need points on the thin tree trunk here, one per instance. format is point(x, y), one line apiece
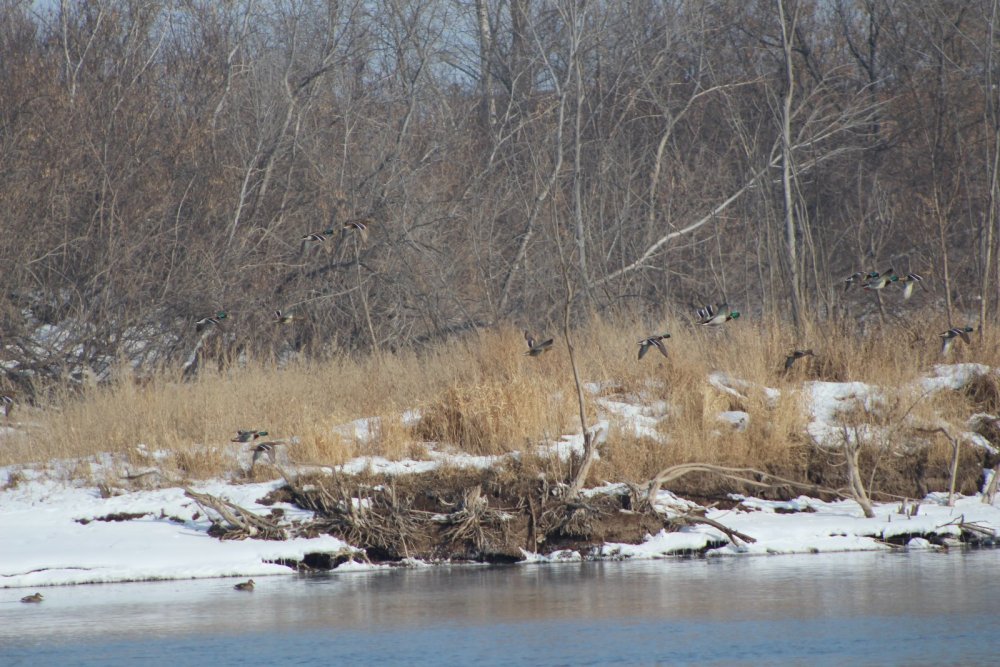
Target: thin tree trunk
point(581, 240)
point(791, 242)
point(991, 210)
point(485, 67)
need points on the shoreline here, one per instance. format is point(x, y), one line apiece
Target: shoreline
point(57, 533)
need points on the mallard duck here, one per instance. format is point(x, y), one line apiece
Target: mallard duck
point(653, 341)
point(267, 449)
point(859, 277)
point(37, 597)
point(213, 320)
point(359, 226)
point(948, 338)
point(7, 402)
point(713, 316)
point(284, 318)
point(880, 280)
point(536, 349)
point(908, 281)
point(318, 237)
point(245, 585)
point(248, 436)
point(796, 355)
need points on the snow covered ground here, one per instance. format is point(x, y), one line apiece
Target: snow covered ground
point(55, 532)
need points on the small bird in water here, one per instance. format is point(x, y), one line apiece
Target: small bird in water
point(248, 436)
point(795, 356)
point(37, 597)
point(244, 586)
point(535, 349)
point(713, 316)
point(653, 341)
point(948, 338)
point(211, 321)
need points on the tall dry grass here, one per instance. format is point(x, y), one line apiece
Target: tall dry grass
point(482, 395)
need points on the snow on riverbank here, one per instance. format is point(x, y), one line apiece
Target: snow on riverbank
point(53, 533)
point(46, 542)
point(808, 525)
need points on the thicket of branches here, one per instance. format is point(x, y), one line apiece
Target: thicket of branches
point(161, 159)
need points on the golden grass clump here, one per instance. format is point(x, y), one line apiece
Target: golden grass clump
point(503, 400)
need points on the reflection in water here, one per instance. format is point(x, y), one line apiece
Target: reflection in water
point(920, 608)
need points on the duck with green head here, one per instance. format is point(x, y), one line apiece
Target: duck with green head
point(210, 321)
point(713, 316)
point(880, 280)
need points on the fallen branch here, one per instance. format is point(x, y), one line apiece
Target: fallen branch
point(242, 523)
point(971, 527)
point(751, 476)
point(733, 535)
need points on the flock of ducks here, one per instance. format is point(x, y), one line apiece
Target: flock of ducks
point(717, 315)
point(710, 316)
point(876, 280)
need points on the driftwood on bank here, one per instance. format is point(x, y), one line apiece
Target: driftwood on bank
point(375, 518)
point(972, 528)
point(734, 536)
point(235, 522)
point(750, 476)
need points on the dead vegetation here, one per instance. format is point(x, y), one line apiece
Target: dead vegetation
point(490, 515)
point(484, 396)
point(481, 395)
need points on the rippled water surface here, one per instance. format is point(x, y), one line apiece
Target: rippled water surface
point(859, 609)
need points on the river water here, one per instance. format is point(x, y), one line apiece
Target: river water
point(920, 608)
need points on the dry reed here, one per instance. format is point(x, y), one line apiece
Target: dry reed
point(482, 395)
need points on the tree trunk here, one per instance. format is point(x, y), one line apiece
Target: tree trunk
point(787, 178)
point(485, 65)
